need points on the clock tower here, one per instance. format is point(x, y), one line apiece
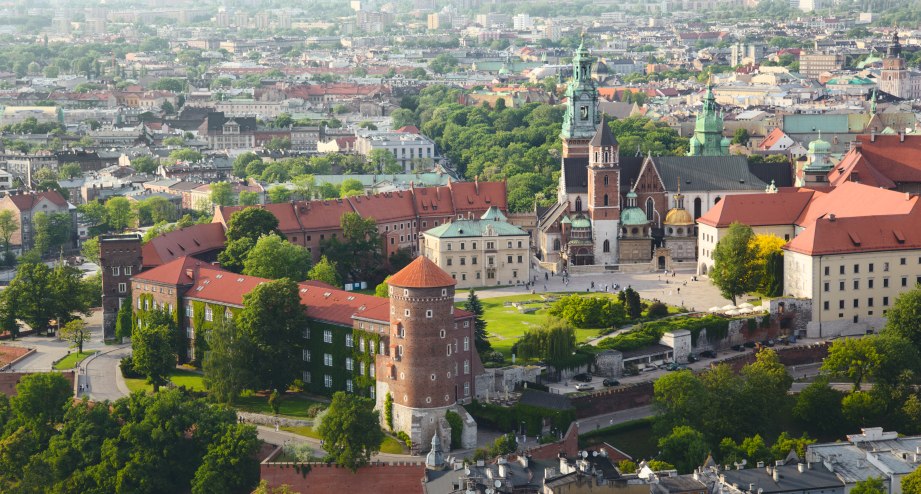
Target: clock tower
point(581, 118)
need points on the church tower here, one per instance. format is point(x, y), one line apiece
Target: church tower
point(818, 164)
point(429, 367)
point(581, 117)
point(895, 78)
point(708, 137)
point(604, 192)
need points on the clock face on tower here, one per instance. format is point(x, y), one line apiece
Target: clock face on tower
point(583, 112)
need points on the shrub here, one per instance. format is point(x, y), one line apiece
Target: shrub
point(314, 410)
point(649, 333)
point(589, 312)
point(127, 367)
point(402, 436)
point(657, 309)
point(457, 428)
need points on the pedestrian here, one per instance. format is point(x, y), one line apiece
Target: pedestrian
point(679, 289)
point(546, 276)
point(276, 426)
point(545, 287)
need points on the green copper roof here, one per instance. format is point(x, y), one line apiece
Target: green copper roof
point(819, 146)
point(581, 222)
point(493, 214)
point(475, 228)
point(566, 220)
point(633, 217)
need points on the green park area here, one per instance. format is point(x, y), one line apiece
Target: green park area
point(191, 380)
point(71, 360)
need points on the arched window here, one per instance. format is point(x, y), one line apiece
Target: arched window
point(697, 207)
point(650, 209)
point(556, 244)
point(717, 200)
point(605, 199)
point(605, 180)
point(578, 204)
point(606, 247)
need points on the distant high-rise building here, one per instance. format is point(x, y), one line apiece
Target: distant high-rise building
point(522, 22)
point(222, 18)
point(552, 31)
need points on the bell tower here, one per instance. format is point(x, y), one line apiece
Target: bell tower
point(895, 78)
point(581, 117)
point(604, 192)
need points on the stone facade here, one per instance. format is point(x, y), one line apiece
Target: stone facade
point(680, 343)
point(610, 363)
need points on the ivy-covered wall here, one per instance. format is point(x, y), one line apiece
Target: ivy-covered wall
point(367, 346)
point(200, 326)
point(142, 308)
point(337, 349)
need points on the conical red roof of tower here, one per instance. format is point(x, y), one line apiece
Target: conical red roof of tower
point(421, 273)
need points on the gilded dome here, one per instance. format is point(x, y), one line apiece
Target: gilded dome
point(678, 217)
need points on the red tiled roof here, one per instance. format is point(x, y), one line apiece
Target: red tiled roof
point(852, 199)
point(192, 240)
point(175, 272)
point(478, 196)
point(759, 209)
point(855, 167)
point(861, 234)
point(218, 285)
point(25, 202)
point(896, 157)
point(421, 273)
point(385, 206)
point(322, 215)
point(330, 304)
point(772, 138)
point(409, 129)
point(437, 201)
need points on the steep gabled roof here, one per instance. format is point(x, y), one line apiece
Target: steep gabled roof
point(708, 173)
point(859, 234)
point(852, 199)
point(192, 240)
point(603, 135)
point(175, 272)
point(25, 202)
point(782, 208)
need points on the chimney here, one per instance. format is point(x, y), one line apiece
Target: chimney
point(476, 184)
point(776, 475)
point(801, 467)
point(873, 135)
point(831, 217)
point(901, 136)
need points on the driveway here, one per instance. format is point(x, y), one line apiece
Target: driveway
point(100, 375)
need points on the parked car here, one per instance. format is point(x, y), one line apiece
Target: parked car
point(738, 348)
point(708, 354)
point(673, 366)
point(584, 377)
point(584, 387)
point(610, 382)
point(692, 357)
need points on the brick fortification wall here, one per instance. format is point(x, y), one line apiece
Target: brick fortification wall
point(403, 478)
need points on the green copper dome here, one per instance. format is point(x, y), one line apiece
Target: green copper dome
point(819, 146)
point(633, 217)
point(581, 222)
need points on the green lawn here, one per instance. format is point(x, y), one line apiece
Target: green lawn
point(506, 324)
point(180, 377)
point(302, 431)
point(292, 405)
point(71, 361)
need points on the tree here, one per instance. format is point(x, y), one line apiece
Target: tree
point(818, 408)
point(358, 253)
point(8, 226)
point(741, 137)
point(279, 194)
point(184, 154)
point(351, 430)
point(402, 117)
point(863, 409)
point(40, 398)
point(274, 257)
point(325, 271)
point(766, 271)
point(786, 443)
point(553, 342)
point(351, 187)
point(685, 448)
point(251, 223)
point(52, 231)
point(911, 483)
point(230, 466)
point(766, 386)
point(248, 198)
point(383, 289)
point(119, 214)
point(145, 164)
point(90, 249)
point(241, 162)
point(123, 321)
point(904, 318)
point(733, 258)
point(679, 398)
point(855, 358)
point(76, 333)
point(480, 337)
point(222, 194)
point(873, 485)
point(225, 362)
point(384, 161)
point(167, 108)
point(273, 320)
point(69, 171)
point(39, 294)
point(153, 353)
point(234, 254)
point(278, 143)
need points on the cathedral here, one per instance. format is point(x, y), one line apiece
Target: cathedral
point(614, 209)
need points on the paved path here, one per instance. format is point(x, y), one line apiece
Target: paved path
point(49, 349)
point(101, 377)
point(679, 290)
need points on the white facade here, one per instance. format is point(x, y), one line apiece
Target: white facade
point(410, 150)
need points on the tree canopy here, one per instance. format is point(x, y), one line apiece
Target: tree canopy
point(273, 257)
point(351, 430)
point(732, 262)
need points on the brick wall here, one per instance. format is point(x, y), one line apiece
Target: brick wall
point(9, 380)
point(399, 477)
point(569, 445)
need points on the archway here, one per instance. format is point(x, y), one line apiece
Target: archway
point(661, 262)
point(650, 209)
point(697, 207)
point(606, 246)
point(578, 204)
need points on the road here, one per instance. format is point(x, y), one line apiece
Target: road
point(608, 419)
point(101, 376)
point(49, 349)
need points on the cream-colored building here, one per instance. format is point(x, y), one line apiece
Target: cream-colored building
point(850, 252)
point(477, 253)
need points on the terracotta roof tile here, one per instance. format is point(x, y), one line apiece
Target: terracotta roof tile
point(421, 273)
point(761, 209)
point(771, 138)
point(860, 234)
point(385, 206)
point(25, 202)
point(175, 272)
point(212, 283)
point(330, 304)
point(478, 196)
point(852, 199)
point(855, 167)
point(192, 240)
point(896, 157)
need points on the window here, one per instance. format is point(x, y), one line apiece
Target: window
point(826, 286)
point(114, 270)
point(327, 380)
point(466, 343)
point(449, 262)
point(466, 367)
point(870, 283)
point(371, 370)
point(122, 288)
point(383, 349)
point(841, 286)
point(188, 309)
point(209, 315)
point(473, 260)
point(886, 301)
point(902, 261)
point(305, 354)
point(466, 389)
point(466, 324)
point(827, 270)
point(442, 333)
point(856, 303)
point(127, 270)
point(449, 245)
point(885, 282)
point(327, 360)
point(870, 267)
point(463, 261)
point(840, 269)
point(463, 245)
point(841, 304)
point(140, 304)
point(189, 333)
point(825, 305)
point(605, 199)
point(406, 312)
point(856, 284)
point(870, 302)
point(348, 385)
point(885, 266)
point(348, 341)
point(327, 336)
point(509, 259)
point(349, 364)
point(400, 350)
point(856, 268)
point(449, 349)
point(519, 257)
point(305, 376)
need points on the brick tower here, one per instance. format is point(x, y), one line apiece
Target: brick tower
point(119, 260)
point(604, 193)
point(429, 367)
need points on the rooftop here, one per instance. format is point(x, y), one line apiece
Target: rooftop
point(421, 273)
